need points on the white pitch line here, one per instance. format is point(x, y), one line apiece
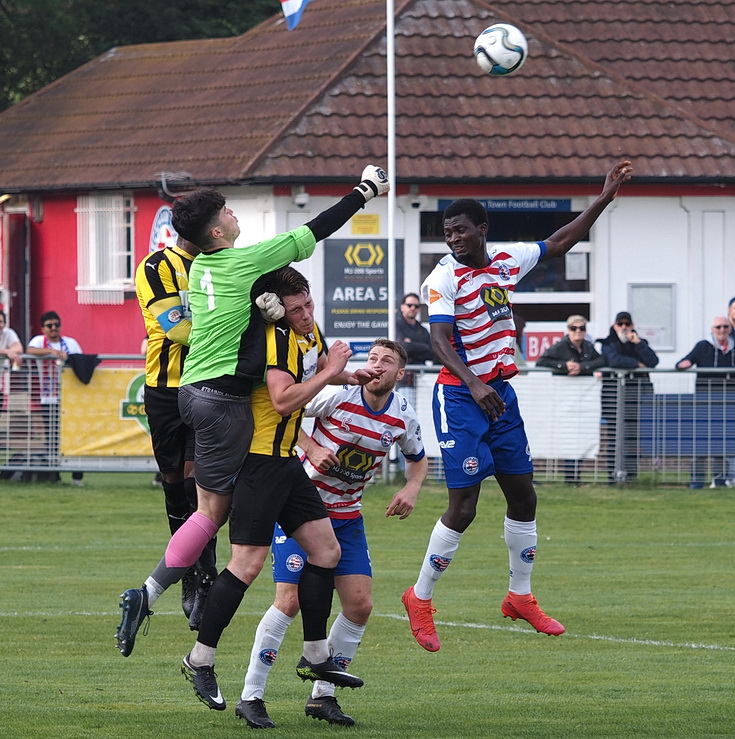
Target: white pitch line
point(398, 617)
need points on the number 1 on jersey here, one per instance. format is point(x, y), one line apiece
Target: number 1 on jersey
point(207, 286)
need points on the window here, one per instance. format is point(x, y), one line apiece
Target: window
point(105, 249)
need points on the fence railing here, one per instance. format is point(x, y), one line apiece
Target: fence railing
point(614, 427)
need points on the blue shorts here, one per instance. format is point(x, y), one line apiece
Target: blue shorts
point(473, 446)
point(288, 557)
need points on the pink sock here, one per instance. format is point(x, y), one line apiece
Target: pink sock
point(187, 544)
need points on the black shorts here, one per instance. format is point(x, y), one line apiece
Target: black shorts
point(271, 489)
point(223, 430)
point(172, 439)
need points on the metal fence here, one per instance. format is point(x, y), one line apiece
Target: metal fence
point(657, 426)
point(653, 426)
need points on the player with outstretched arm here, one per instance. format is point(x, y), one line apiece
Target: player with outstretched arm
point(476, 416)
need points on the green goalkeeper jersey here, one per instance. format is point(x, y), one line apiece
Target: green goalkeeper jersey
point(227, 336)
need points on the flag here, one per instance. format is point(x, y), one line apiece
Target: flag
point(293, 9)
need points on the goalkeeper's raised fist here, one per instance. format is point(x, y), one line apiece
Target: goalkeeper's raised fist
point(374, 182)
point(270, 307)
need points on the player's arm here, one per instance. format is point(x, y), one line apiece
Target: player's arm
point(320, 457)
point(288, 396)
point(169, 312)
point(484, 395)
point(374, 182)
point(567, 236)
point(404, 501)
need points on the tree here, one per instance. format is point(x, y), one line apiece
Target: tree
point(42, 40)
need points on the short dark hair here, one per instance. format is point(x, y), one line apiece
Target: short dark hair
point(193, 215)
point(410, 295)
point(288, 281)
point(473, 209)
point(393, 346)
point(49, 315)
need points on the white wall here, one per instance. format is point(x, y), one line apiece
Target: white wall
point(689, 242)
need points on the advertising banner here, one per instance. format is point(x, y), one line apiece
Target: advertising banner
point(105, 418)
point(356, 286)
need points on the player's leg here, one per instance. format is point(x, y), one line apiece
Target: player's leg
point(305, 518)
point(514, 473)
point(354, 584)
point(460, 426)
point(216, 421)
point(261, 489)
point(287, 561)
point(169, 439)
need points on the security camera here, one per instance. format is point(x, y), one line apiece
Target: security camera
point(418, 201)
point(301, 199)
point(299, 196)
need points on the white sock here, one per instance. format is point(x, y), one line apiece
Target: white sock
point(155, 591)
point(343, 640)
point(202, 655)
point(520, 538)
point(316, 651)
point(268, 638)
point(443, 544)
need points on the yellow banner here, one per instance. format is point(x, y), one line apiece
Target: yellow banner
point(105, 418)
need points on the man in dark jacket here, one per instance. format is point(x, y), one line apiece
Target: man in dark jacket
point(623, 348)
point(415, 340)
point(574, 354)
point(715, 395)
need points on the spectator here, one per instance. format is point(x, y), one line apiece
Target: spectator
point(414, 337)
point(731, 314)
point(519, 348)
point(716, 351)
point(623, 348)
point(51, 343)
point(10, 345)
point(573, 355)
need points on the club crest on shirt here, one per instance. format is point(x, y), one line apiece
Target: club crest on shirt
point(504, 272)
point(386, 438)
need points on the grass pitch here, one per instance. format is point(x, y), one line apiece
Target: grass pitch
point(642, 579)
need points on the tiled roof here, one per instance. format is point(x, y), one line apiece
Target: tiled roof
point(651, 80)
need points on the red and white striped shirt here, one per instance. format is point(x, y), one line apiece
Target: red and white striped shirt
point(478, 303)
point(361, 438)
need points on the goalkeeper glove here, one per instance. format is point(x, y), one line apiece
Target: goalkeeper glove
point(270, 307)
point(374, 182)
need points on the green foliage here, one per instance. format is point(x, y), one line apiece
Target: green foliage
point(42, 40)
point(642, 579)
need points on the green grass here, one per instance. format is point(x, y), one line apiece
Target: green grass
point(642, 578)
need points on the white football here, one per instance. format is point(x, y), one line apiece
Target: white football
point(501, 50)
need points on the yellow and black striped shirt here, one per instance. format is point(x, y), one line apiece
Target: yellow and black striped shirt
point(298, 355)
point(162, 286)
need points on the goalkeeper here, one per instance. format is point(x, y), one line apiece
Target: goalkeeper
point(226, 359)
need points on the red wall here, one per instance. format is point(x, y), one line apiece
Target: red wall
point(100, 329)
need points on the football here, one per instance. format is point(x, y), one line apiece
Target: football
point(500, 50)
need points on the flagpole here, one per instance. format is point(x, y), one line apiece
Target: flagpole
point(390, 43)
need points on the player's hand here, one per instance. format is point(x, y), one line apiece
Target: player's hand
point(619, 174)
point(490, 402)
point(339, 355)
point(270, 307)
point(363, 376)
point(374, 182)
point(402, 504)
point(322, 458)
